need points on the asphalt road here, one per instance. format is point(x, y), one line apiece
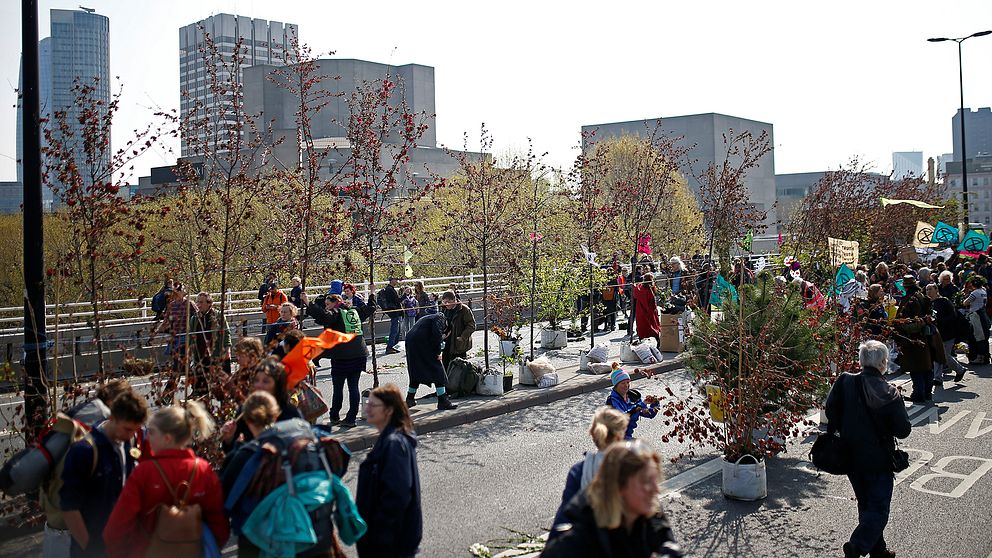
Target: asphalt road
point(491, 481)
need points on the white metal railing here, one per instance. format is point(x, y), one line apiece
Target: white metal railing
point(137, 311)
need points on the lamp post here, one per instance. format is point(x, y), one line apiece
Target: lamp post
point(964, 151)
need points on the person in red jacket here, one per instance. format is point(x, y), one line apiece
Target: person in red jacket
point(172, 463)
point(646, 313)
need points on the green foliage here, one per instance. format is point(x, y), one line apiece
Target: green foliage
point(559, 283)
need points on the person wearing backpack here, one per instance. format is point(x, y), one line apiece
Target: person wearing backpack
point(94, 474)
point(388, 495)
point(173, 476)
point(161, 299)
point(270, 377)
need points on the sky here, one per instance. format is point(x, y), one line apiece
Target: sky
point(837, 79)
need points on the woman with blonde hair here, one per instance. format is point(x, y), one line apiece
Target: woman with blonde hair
point(619, 513)
point(608, 427)
point(172, 474)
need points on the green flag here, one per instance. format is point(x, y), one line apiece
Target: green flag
point(748, 240)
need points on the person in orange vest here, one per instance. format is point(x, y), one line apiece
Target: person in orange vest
point(274, 298)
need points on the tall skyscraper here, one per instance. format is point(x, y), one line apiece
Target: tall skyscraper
point(977, 131)
point(263, 42)
point(907, 164)
point(78, 49)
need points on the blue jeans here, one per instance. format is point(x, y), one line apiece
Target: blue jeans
point(874, 494)
point(394, 330)
point(337, 397)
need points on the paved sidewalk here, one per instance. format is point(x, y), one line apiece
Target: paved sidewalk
point(427, 418)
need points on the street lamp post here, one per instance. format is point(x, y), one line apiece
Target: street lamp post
point(964, 151)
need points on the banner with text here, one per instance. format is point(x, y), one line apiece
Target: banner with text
point(843, 252)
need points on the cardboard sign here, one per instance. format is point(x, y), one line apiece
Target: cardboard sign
point(843, 252)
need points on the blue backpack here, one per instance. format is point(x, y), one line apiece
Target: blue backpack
point(160, 300)
point(305, 449)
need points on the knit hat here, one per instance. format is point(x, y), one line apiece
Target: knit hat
point(618, 376)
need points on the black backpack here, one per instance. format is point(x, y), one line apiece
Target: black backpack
point(306, 449)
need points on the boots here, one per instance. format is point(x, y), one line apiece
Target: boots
point(411, 401)
point(445, 404)
point(850, 551)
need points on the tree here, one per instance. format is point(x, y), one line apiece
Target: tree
point(311, 208)
point(382, 132)
point(223, 184)
point(727, 209)
point(89, 179)
point(486, 218)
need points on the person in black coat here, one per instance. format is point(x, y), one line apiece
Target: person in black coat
point(618, 515)
point(948, 322)
point(388, 496)
point(347, 359)
point(424, 345)
point(869, 414)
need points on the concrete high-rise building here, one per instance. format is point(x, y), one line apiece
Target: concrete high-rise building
point(907, 164)
point(704, 134)
point(262, 42)
point(790, 189)
point(979, 187)
point(78, 50)
point(977, 132)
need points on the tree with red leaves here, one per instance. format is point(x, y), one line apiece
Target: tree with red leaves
point(382, 132)
point(89, 179)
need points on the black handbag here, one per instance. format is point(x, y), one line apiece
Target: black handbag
point(898, 459)
point(829, 454)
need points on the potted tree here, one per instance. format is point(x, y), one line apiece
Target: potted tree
point(504, 317)
point(761, 369)
point(558, 286)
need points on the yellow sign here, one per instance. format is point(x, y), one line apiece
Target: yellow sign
point(715, 396)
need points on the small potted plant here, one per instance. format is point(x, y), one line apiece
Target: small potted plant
point(504, 317)
point(558, 287)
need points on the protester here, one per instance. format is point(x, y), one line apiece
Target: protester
point(882, 277)
point(264, 289)
point(161, 299)
point(389, 302)
point(461, 326)
point(424, 345)
point(868, 413)
point(947, 287)
point(677, 276)
point(270, 378)
point(973, 307)
point(273, 301)
point(286, 322)
point(172, 475)
point(948, 323)
point(210, 345)
point(914, 352)
point(347, 359)
point(629, 401)
point(409, 304)
point(608, 426)
point(248, 353)
point(388, 495)
point(297, 295)
point(610, 295)
point(177, 314)
point(424, 305)
point(646, 309)
point(619, 514)
point(90, 490)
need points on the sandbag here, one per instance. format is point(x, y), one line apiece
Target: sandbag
point(539, 367)
point(600, 367)
point(643, 352)
point(548, 380)
point(490, 384)
point(599, 353)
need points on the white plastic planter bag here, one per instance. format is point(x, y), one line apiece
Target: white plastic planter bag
point(526, 378)
point(745, 481)
point(643, 353)
point(627, 353)
point(490, 384)
point(599, 353)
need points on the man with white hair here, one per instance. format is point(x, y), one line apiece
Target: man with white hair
point(869, 414)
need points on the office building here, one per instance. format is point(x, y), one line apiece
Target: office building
point(977, 133)
point(790, 189)
point(77, 50)
point(262, 42)
point(342, 78)
point(979, 187)
point(907, 164)
point(11, 197)
point(703, 133)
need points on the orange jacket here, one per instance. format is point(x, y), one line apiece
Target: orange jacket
point(276, 297)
